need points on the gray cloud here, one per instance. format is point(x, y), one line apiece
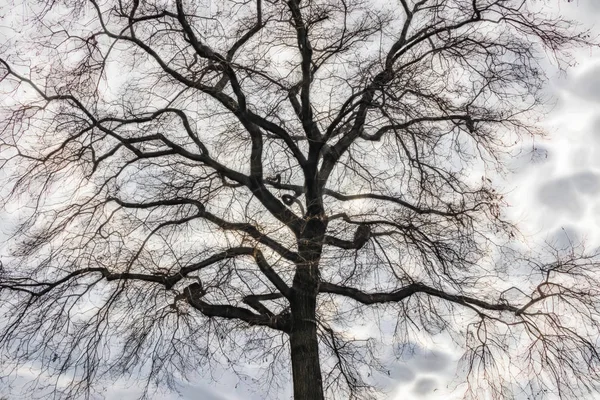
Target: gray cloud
point(424, 386)
point(595, 129)
point(564, 195)
point(585, 12)
point(402, 374)
point(587, 85)
point(433, 361)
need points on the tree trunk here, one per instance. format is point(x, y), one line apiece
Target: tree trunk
point(306, 367)
point(304, 344)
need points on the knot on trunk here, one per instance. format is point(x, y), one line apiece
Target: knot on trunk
point(361, 236)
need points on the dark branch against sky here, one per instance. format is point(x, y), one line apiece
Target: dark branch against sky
point(201, 184)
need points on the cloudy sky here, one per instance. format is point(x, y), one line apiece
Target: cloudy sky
point(554, 193)
point(556, 186)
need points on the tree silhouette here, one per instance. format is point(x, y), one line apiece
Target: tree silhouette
point(247, 180)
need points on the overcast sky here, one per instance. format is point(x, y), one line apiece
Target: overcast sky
point(554, 193)
point(557, 189)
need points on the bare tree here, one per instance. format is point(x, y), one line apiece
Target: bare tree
point(230, 180)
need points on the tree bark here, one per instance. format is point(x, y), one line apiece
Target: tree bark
point(306, 367)
point(304, 343)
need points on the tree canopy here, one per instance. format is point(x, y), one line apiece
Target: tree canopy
point(210, 181)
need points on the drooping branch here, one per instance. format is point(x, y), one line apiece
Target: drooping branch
point(409, 290)
point(223, 224)
point(168, 281)
point(261, 262)
point(466, 120)
point(194, 293)
point(298, 190)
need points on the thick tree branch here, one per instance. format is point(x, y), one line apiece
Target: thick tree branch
point(254, 301)
point(298, 190)
point(194, 293)
point(223, 224)
point(409, 290)
point(467, 120)
point(29, 286)
point(277, 209)
point(306, 51)
point(380, 80)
